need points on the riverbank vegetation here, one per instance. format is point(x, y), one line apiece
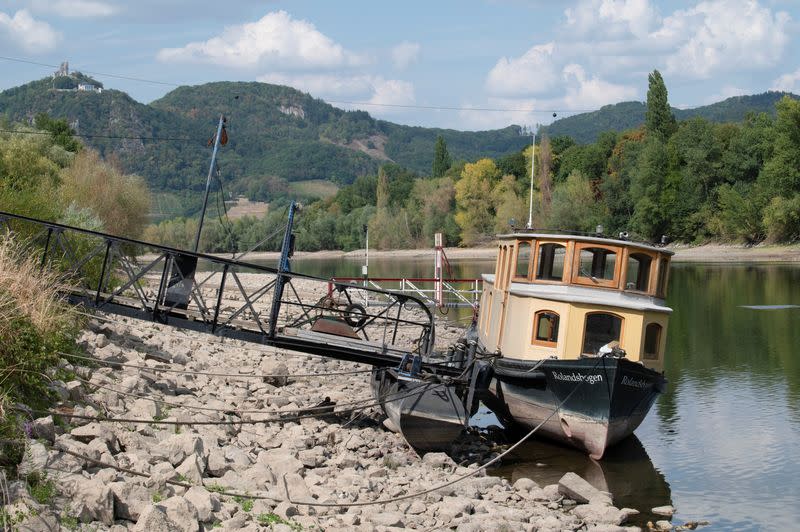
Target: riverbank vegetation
point(46, 173)
point(690, 181)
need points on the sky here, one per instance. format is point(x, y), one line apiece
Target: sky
point(468, 64)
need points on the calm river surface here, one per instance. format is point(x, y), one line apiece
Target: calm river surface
point(723, 443)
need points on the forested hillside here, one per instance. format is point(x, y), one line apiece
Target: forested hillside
point(275, 132)
point(585, 128)
point(688, 180)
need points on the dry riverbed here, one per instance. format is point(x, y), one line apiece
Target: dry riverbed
point(104, 475)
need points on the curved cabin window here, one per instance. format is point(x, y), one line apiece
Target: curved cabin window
point(545, 328)
point(523, 259)
point(601, 328)
point(550, 262)
point(637, 275)
point(597, 266)
point(652, 339)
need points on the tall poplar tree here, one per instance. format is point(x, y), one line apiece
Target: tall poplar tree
point(441, 158)
point(659, 118)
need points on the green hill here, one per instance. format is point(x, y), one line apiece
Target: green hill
point(585, 127)
point(273, 131)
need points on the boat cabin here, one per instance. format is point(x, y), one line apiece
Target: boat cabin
point(568, 296)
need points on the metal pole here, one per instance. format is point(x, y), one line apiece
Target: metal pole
point(208, 182)
point(530, 203)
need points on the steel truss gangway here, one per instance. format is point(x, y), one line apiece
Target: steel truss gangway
point(231, 298)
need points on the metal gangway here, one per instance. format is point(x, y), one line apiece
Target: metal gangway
point(232, 298)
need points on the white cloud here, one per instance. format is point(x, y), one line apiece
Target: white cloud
point(27, 33)
point(534, 72)
point(789, 82)
point(363, 88)
point(612, 18)
point(275, 40)
point(75, 8)
point(591, 92)
point(723, 35)
point(405, 53)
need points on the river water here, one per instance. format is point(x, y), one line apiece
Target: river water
point(722, 443)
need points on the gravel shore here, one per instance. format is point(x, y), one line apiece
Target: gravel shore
point(150, 476)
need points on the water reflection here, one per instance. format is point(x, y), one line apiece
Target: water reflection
point(625, 471)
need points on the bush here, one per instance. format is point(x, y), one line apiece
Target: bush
point(122, 202)
point(782, 219)
point(35, 326)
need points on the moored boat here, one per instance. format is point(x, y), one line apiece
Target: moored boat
point(579, 326)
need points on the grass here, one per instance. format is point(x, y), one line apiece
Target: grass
point(157, 497)
point(268, 519)
point(215, 488)
point(35, 325)
point(41, 488)
point(245, 502)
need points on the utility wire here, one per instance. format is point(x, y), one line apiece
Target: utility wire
point(340, 102)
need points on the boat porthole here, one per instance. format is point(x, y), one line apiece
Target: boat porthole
point(565, 428)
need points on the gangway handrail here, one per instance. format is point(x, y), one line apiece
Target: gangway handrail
point(153, 300)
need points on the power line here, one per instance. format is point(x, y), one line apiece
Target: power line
point(93, 72)
point(340, 102)
point(92, 136)
point(447, 108)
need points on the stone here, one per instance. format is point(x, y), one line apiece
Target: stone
point(191, 469)
point(286, 510)
point(92, 501)
point(154, 519)
point(576, 488)
point(144, 409)
point(596, 513)
point(35, 458)
point(182, 513)
point(176, 448)
point(92, 431)
point(439, 460)
point(204, 502)
point(44, 428)
point(129, 499)
point(280, 461)
point(75, 390)
point(667, 511)
point(295, 489)
point(453, 507)
point(277, 372)
point(217, 465)
point(525, 484)
point(663, 525)
point(380, 518)
point(416, 508)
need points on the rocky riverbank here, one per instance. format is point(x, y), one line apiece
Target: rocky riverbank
point(197, 463)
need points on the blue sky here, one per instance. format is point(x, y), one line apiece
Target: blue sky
point(527, 58)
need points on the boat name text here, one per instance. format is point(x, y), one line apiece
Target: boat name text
point(577, 377)
point(635, 383)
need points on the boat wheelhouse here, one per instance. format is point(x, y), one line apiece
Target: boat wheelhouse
point(579, 323)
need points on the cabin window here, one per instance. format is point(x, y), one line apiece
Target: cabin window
point(652, 339)
point(523, 259)
point(550, 263)
point(601, 328)
point(545, 328)
point(638, 272)
point(595, 265)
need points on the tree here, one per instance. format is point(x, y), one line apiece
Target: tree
point(647, 184)
point(658, 117)
point(441, 158)
point(544, 178)
point(474, 209)
point(59, 130)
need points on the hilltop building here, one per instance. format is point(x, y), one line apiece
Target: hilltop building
point(63, 70)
